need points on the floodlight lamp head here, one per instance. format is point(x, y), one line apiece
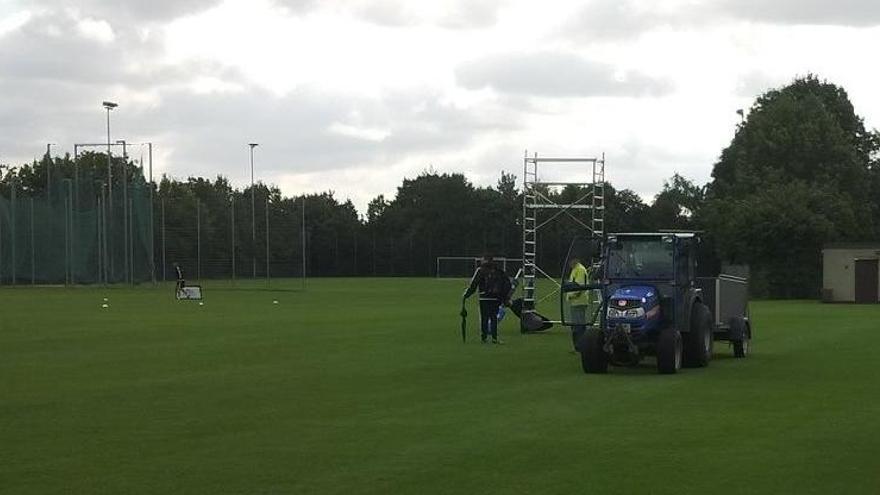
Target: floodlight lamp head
point(253, 145)
point(109, 105)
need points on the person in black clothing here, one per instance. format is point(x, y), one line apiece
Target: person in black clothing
point(494, 289)
point(181, 283)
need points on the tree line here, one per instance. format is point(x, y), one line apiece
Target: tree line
point(801, 171)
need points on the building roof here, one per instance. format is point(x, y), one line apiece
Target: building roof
point(852, 245)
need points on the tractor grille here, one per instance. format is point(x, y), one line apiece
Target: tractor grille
point(624, 304)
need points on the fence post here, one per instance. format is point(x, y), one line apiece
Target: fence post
point(268, 279)
point(232, 234)
point(67, 241)
point(12, 230)
point(33, 269)
point(163, 239)
point(70, 211)
point(130, 241)
point(199, 240)
point(1, 249)
point(102, 235)
point(304, 241)
point(108, 260)
point(98, 237)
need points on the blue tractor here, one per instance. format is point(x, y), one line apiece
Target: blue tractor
point(648, 300)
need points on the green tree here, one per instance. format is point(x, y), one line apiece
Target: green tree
point(677, 205)
point(797, 174)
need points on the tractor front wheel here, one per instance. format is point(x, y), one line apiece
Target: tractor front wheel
point(593, 356)
point(669, 351)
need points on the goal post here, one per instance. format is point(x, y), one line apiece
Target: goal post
point(457, 267)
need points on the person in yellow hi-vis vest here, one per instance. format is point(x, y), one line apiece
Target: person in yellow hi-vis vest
point(580, 301)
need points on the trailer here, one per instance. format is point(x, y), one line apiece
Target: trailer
point(727, 297)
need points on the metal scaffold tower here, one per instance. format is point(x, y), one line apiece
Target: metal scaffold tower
point(587, 210)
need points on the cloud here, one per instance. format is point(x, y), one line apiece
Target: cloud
point(614, 20)
point(66, 48)
point(756, 83)
point(554, 74)
point(96, 30)
point(453, 14)
point(855, 13)
point(129, 12)
point(81, 51)
point(610, 20)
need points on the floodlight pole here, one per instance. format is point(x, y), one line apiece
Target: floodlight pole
point(109, 105)
point(253, 214)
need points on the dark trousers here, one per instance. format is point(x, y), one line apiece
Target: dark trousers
point(489, 318)
point(579, 317)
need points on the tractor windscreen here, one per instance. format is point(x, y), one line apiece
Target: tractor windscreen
point(641, 257)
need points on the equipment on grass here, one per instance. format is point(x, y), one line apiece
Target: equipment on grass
point(189, 293)
point(653, 303)
point(530, 321)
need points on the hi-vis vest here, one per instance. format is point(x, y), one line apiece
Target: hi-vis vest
point(579, 275)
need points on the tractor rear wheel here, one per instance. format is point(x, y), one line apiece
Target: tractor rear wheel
point(669, 351)
point(593, 356)
point(698, 342)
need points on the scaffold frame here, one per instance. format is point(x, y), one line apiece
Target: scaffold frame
point(535, 201)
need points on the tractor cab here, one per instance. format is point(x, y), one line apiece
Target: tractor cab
point(639, 277)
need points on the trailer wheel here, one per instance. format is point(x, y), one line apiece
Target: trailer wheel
point(669, 352)
point(741, 347)
point(698, 342)
point(593, 356)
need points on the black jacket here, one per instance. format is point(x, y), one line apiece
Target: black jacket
point(493, 284)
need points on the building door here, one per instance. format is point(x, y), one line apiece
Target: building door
point(866, 281)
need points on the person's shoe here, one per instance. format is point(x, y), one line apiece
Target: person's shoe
point(498, 341)
point(484, 341)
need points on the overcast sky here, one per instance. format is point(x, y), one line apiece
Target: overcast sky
point(353, 96)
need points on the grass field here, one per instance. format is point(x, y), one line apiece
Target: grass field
point(363, 386)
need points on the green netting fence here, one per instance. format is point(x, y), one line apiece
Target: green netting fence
point(76, 229)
